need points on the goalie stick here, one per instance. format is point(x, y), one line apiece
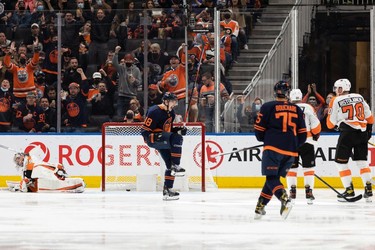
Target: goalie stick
point(8, 148)
point(239, 150)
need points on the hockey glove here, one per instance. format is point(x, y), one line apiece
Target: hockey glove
point(369, 131)
point(316, 137)
point(155, 137)
point(180, 130)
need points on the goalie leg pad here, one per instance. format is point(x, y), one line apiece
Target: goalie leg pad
point(76, 185)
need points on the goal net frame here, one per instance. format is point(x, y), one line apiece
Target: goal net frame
point(134, 130)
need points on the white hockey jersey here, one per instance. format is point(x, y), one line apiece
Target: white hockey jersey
point(312, 122)
point(350, 109)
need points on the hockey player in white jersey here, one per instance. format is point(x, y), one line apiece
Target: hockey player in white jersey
point(306, 152)
point(43, 176)
point(350, 113)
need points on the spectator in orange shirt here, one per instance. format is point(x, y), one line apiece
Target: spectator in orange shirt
point(23, 74)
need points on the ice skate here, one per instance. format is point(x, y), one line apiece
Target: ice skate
point(293, 192)
point(368, 192)
point(259, 209)
point(178, 171)
point(349, 192)
point(286, 205)
point(309, 195)
point(169, 195)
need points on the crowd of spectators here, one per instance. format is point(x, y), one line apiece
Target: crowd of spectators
point(102, 58)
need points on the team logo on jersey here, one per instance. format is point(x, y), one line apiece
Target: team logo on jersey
point(73, 109)
point(173, 80)
point(212, 149)
point(22, 75)
point(39, 149)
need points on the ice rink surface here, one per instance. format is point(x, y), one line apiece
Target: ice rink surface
point(220, 219)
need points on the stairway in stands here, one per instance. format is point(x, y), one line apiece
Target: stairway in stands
point(260, 42)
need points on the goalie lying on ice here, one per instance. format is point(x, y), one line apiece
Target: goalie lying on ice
point(39, 176)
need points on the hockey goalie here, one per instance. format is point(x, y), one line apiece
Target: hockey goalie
point(43, 176)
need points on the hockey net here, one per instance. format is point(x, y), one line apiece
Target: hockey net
point(128, 158)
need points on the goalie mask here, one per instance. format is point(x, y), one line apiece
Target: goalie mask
point(19, 160)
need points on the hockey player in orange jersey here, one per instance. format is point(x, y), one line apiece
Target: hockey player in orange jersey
point(353, 117)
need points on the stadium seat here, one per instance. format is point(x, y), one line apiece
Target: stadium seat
point(172, 45)
point(132, 44)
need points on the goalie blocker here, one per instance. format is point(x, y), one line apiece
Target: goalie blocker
point(43, 176)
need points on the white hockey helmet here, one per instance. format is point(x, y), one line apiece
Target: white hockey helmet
point(18, 159)
point(295, 95)
point(343, 83)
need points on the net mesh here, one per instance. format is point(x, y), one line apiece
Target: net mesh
point(127, 156)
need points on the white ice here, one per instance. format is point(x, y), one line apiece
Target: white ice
point(221, 219)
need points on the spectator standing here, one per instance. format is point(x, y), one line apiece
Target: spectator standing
point(70, 32)
point(174, 81)
point(21, 17)
point(130, 79)
point(101, 21)
point(23, 75)
point(6, 106)
point(313, 98)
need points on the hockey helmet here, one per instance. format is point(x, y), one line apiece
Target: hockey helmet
point(18, 159)
point(343, 83)
point(295, 95)
point(169, 96)
point(281, 89)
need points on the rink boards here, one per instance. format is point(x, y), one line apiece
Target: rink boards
point(81, 156)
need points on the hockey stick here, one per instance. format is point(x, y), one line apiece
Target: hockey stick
point(354, 199)
point(370, 143)
point(8, 148)
point(238, 150)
